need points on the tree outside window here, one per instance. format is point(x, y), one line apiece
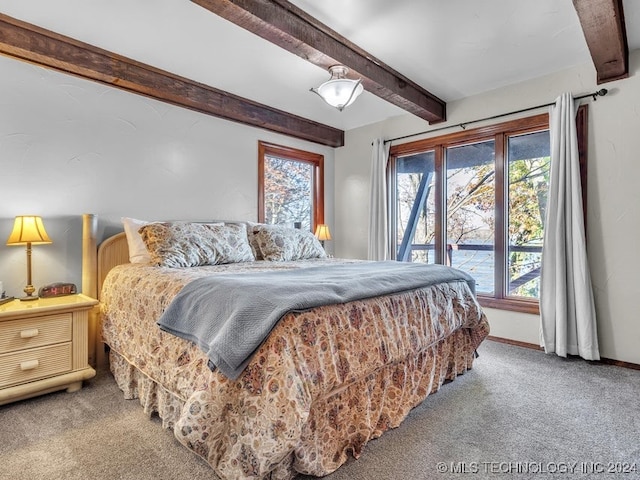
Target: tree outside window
point(476, 200)
point(290, 186)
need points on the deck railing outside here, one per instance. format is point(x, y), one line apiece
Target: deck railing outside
point(531, 274)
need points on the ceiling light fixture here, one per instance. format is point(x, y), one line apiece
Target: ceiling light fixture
point(339, 91)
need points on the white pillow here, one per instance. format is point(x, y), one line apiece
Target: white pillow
point(138, 252)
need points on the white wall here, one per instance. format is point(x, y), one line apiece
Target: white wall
point(613, 213)
point(69, 146)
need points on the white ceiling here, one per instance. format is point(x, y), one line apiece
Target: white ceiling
point(453, 48)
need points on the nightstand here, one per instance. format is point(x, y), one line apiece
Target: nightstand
point(44, 346)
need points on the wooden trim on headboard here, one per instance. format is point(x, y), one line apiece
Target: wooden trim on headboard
point(89, 254)
point(89, 262)
point(96, 263)
point(112, 252)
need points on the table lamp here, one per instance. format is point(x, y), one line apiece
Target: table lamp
point(28, 230)
point(323, 233)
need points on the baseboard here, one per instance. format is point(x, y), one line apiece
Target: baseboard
point(517, 343)
point(620, 363)
point(533, 346)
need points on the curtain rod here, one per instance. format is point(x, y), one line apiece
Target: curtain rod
point(599, 93)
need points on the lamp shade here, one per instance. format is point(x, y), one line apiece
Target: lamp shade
point(322, 232)
point(28, 229)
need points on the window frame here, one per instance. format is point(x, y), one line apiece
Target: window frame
point(500, 133)
point(316, 160)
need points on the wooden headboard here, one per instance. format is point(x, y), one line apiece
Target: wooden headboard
point(96, 263)
point(111, 252)
point(98, 260)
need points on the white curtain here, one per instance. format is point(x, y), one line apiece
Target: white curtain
point(378, 234)
point(567, 311)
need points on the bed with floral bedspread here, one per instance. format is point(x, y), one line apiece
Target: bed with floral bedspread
point(324, 383)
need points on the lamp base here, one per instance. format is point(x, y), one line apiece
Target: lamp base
point(28, 299)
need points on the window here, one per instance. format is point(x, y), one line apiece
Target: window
point(476, 200)
point(290, 186)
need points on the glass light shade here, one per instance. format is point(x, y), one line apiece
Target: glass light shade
point(341, 92)
point(322, 232)
point(28, 229)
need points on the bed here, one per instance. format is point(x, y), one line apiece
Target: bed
point(324, 382)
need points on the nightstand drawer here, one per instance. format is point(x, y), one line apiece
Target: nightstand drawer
point(22, 367)
point(34, 332)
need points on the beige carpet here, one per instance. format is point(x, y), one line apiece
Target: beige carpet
point(517, 409)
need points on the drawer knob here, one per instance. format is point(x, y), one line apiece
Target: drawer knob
point(32, 332)
point(29, 365)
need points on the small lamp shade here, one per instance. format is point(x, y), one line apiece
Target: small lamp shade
point(28, 229)
point(322, 232)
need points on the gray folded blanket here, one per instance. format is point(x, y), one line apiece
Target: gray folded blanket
point(230, 316)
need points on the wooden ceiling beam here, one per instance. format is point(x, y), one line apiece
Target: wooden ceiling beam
point(289, 27)
point(604, 30)
point(42, 47)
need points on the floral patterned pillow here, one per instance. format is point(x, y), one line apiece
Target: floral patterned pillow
point(192, 244)
point(278, 243)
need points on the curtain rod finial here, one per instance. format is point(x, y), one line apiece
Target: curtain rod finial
point(600, 93)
